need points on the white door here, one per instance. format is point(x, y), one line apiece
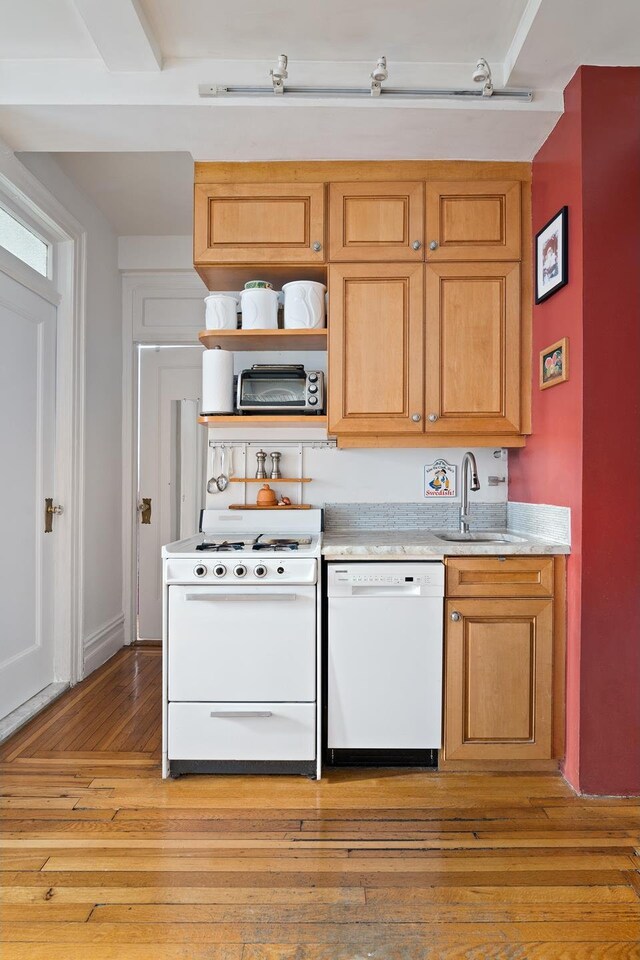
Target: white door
point(27, 436)
point(171, 466)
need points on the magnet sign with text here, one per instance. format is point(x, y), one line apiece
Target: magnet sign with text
point(440, 479)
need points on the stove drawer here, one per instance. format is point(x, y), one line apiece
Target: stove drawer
point(242, 731)
point(242, 643)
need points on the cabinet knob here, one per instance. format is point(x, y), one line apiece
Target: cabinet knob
point(316, 246)
point(416, 417)
point(433, 245)
point(455, 616)
point(416, 244)
point(432, 417)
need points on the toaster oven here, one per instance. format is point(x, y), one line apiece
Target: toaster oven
point(280, 388)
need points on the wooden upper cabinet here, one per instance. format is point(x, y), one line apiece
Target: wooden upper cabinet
point(376, 221)
point(259, 223)
point(499, 690)
point(376, 348)
point(477, 220)
point(472, 370)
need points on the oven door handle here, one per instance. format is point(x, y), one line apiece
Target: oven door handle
point(242, 597)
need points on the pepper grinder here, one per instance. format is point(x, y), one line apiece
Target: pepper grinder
point(261, 473)
point(275, 465)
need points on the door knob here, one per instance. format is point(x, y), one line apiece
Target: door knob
point(432, 417)
point(416, 417)
point(455, 616)
point(144, 509)
point(416, 244)
point(316, 247)
point(433, 245)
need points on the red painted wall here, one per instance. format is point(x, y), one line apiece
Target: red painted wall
point(590, 426)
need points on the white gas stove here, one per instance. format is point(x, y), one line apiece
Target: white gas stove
point(241, 650)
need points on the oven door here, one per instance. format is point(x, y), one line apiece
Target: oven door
point(242, 643)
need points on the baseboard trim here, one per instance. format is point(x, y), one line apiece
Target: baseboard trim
point(101, 645)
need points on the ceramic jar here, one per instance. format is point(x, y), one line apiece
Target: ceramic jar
point(259, 309)
point(221, 312)
point(304, 305)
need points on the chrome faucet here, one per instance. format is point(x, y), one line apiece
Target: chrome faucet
point(468, 463)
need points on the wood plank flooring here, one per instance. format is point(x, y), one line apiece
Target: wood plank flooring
point(102, 860)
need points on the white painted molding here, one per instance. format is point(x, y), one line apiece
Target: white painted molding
point(147, 306)
point(56, 224)
point(523, 29)
point(101, 645)
point(122, 33)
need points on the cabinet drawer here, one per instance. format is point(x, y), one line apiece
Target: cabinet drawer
point(495, 577)
point(242, 731)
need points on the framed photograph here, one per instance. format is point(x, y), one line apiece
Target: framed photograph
point(554, 364)
point(552, 256)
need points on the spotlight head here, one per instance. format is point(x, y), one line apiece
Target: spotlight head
point(482, 71)
point(380, 72)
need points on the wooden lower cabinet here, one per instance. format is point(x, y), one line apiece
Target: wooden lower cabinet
point(499, 686)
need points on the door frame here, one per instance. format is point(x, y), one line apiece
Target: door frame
point(66, 289)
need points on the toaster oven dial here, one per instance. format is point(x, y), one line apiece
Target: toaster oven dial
point(219, 570)
point(313, 377)
point(260, 570)
point(200, 570)
point(313, 401)
point(313, 388)
point(240, 570)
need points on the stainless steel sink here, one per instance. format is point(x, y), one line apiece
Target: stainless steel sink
point(485, 536)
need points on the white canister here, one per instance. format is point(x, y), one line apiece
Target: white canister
point(221, 312)
point(217, 381)
point(304, 305)
point(259, 309)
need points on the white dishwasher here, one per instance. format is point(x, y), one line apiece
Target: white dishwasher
point(385, 630)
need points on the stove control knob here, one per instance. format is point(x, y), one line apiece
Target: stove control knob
point(219, 570)
point(200, 570)
point(240, 570)
point(280, 570)
point(260, 570)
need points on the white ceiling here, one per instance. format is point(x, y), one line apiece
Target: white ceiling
point(112, 87)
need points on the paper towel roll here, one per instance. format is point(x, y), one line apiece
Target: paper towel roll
point(217, 381)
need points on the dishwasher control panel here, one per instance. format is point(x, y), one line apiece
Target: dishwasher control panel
point(388, 579)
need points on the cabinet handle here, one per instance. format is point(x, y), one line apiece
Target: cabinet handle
point(232, 714)
point(241, 597)
point(416, 244)
point(455, 616)
point(433, 245)
point(432, 417)
point(416, 417)
point(316, 246)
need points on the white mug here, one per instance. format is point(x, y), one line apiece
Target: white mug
point(259, 309)
point(221, 312)
point(304, 304)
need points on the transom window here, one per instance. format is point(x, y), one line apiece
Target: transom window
point(23, 243)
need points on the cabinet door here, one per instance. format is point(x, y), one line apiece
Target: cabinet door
point(477, 220)
point(472, 369)
point(375, 348)
point(498, 688)
point(259, 223)
point(376, 221)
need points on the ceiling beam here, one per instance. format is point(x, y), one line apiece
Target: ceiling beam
point(523, 29)
point(122, 34)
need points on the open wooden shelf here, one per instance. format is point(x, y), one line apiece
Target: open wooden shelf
point(264, 339)
point(255, 420)
point(270, 479)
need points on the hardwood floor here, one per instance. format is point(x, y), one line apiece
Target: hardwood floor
point(102, 860)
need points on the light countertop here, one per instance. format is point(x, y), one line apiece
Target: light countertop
point(388, 544)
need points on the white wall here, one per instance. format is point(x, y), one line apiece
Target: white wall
point(102, 629)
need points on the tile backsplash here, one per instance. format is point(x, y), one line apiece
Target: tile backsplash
point(409, 516)
point(540, 520)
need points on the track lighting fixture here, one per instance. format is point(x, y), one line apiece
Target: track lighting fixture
point(378, 75)
point(279, 75)
point(482, 74)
